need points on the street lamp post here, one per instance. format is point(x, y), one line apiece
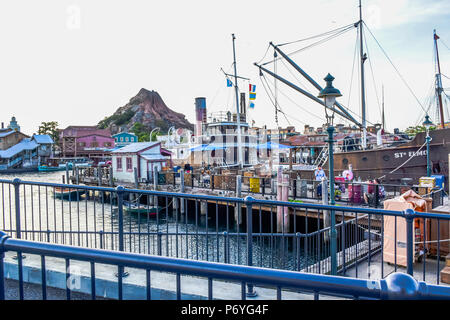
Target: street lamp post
point(428, 124)
point(329, 93)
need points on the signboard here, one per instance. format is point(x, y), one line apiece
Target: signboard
point(254, 185)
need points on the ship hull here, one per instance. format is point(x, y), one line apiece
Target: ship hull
point(395, 163)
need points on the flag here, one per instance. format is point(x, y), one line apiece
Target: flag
point(252, 92)
point(229, 83)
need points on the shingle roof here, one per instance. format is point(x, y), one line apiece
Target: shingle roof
point(136, 147)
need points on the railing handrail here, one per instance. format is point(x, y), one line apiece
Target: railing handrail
point(246, 200)
point(395, 286)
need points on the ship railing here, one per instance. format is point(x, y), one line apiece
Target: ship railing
point(289, 235)
point(397, 286)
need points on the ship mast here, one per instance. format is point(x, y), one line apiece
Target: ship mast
point(439, 81)
point(383, 120)
point(238, 115)
point(363, 94)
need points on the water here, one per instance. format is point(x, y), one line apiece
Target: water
point(93, 222)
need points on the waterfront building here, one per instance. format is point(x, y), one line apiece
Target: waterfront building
point(86, 141)
point(45, 150)
point(146, 157)
point(122, 139)
point(9, 138)
point(27, 153)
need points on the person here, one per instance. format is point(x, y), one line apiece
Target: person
point(320, 175)
point(370, 197)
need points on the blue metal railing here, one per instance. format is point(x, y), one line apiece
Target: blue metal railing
point(395, 286)
point(32, 210)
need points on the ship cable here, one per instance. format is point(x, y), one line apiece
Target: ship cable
point(407, 160)
point(313, 44)
point(398, 72)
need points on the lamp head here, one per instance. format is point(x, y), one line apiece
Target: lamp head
point(427, 123)
point(329, 93)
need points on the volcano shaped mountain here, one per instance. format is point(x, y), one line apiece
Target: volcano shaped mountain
point(147, 108)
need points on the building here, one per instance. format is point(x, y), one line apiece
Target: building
point(26, 153)
point(45, 150)
point(146, 157)
point(13, 125)
point(124, 138)
point(9, 138)
point(85, 141)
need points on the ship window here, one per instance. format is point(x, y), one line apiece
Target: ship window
point(386, 157)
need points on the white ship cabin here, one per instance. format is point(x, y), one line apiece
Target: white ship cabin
point(219, 142)
point(146, 157)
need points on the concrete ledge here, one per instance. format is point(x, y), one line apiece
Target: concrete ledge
point(163, 285)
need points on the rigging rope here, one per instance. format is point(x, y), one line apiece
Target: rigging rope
point(398, 72)
point(312, 45)
point(317, 36)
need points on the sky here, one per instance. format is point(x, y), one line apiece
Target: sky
point(77, 61)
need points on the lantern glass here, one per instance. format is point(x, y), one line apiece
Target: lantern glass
point(329, 101)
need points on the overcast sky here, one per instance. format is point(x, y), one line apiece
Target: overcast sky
point(76, 62)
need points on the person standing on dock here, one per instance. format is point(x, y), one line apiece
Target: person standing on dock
point(320, 175)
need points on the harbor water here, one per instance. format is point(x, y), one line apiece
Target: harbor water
point(92, 221)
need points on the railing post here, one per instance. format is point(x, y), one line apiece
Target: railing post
point(101, 239)
point(120, 192)
point(249, 208)
point(3, 237)
point(225, 246)
point(159, 243)
point(409, 216)
point(16, 183)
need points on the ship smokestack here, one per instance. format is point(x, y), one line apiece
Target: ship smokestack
point(200, 116)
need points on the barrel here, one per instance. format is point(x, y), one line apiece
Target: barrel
point(354, 193)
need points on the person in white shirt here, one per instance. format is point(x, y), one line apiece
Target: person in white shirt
point(319, 174)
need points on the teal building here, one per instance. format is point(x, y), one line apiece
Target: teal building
point(124, 138)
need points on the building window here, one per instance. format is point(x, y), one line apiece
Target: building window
point(119, 164)
point(129, 164)
point(107, 144)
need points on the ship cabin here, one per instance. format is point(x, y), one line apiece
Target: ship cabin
point(218, 145)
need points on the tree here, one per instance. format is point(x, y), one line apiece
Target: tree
point(141, 132)
point(413, 130)
point(50, 128)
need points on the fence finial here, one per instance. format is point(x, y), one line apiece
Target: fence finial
point(400, 286)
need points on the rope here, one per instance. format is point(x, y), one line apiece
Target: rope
point(415, 153)
point(398, 72)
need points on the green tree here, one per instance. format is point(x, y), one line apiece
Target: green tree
point(413, 130)
point(50, 128)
